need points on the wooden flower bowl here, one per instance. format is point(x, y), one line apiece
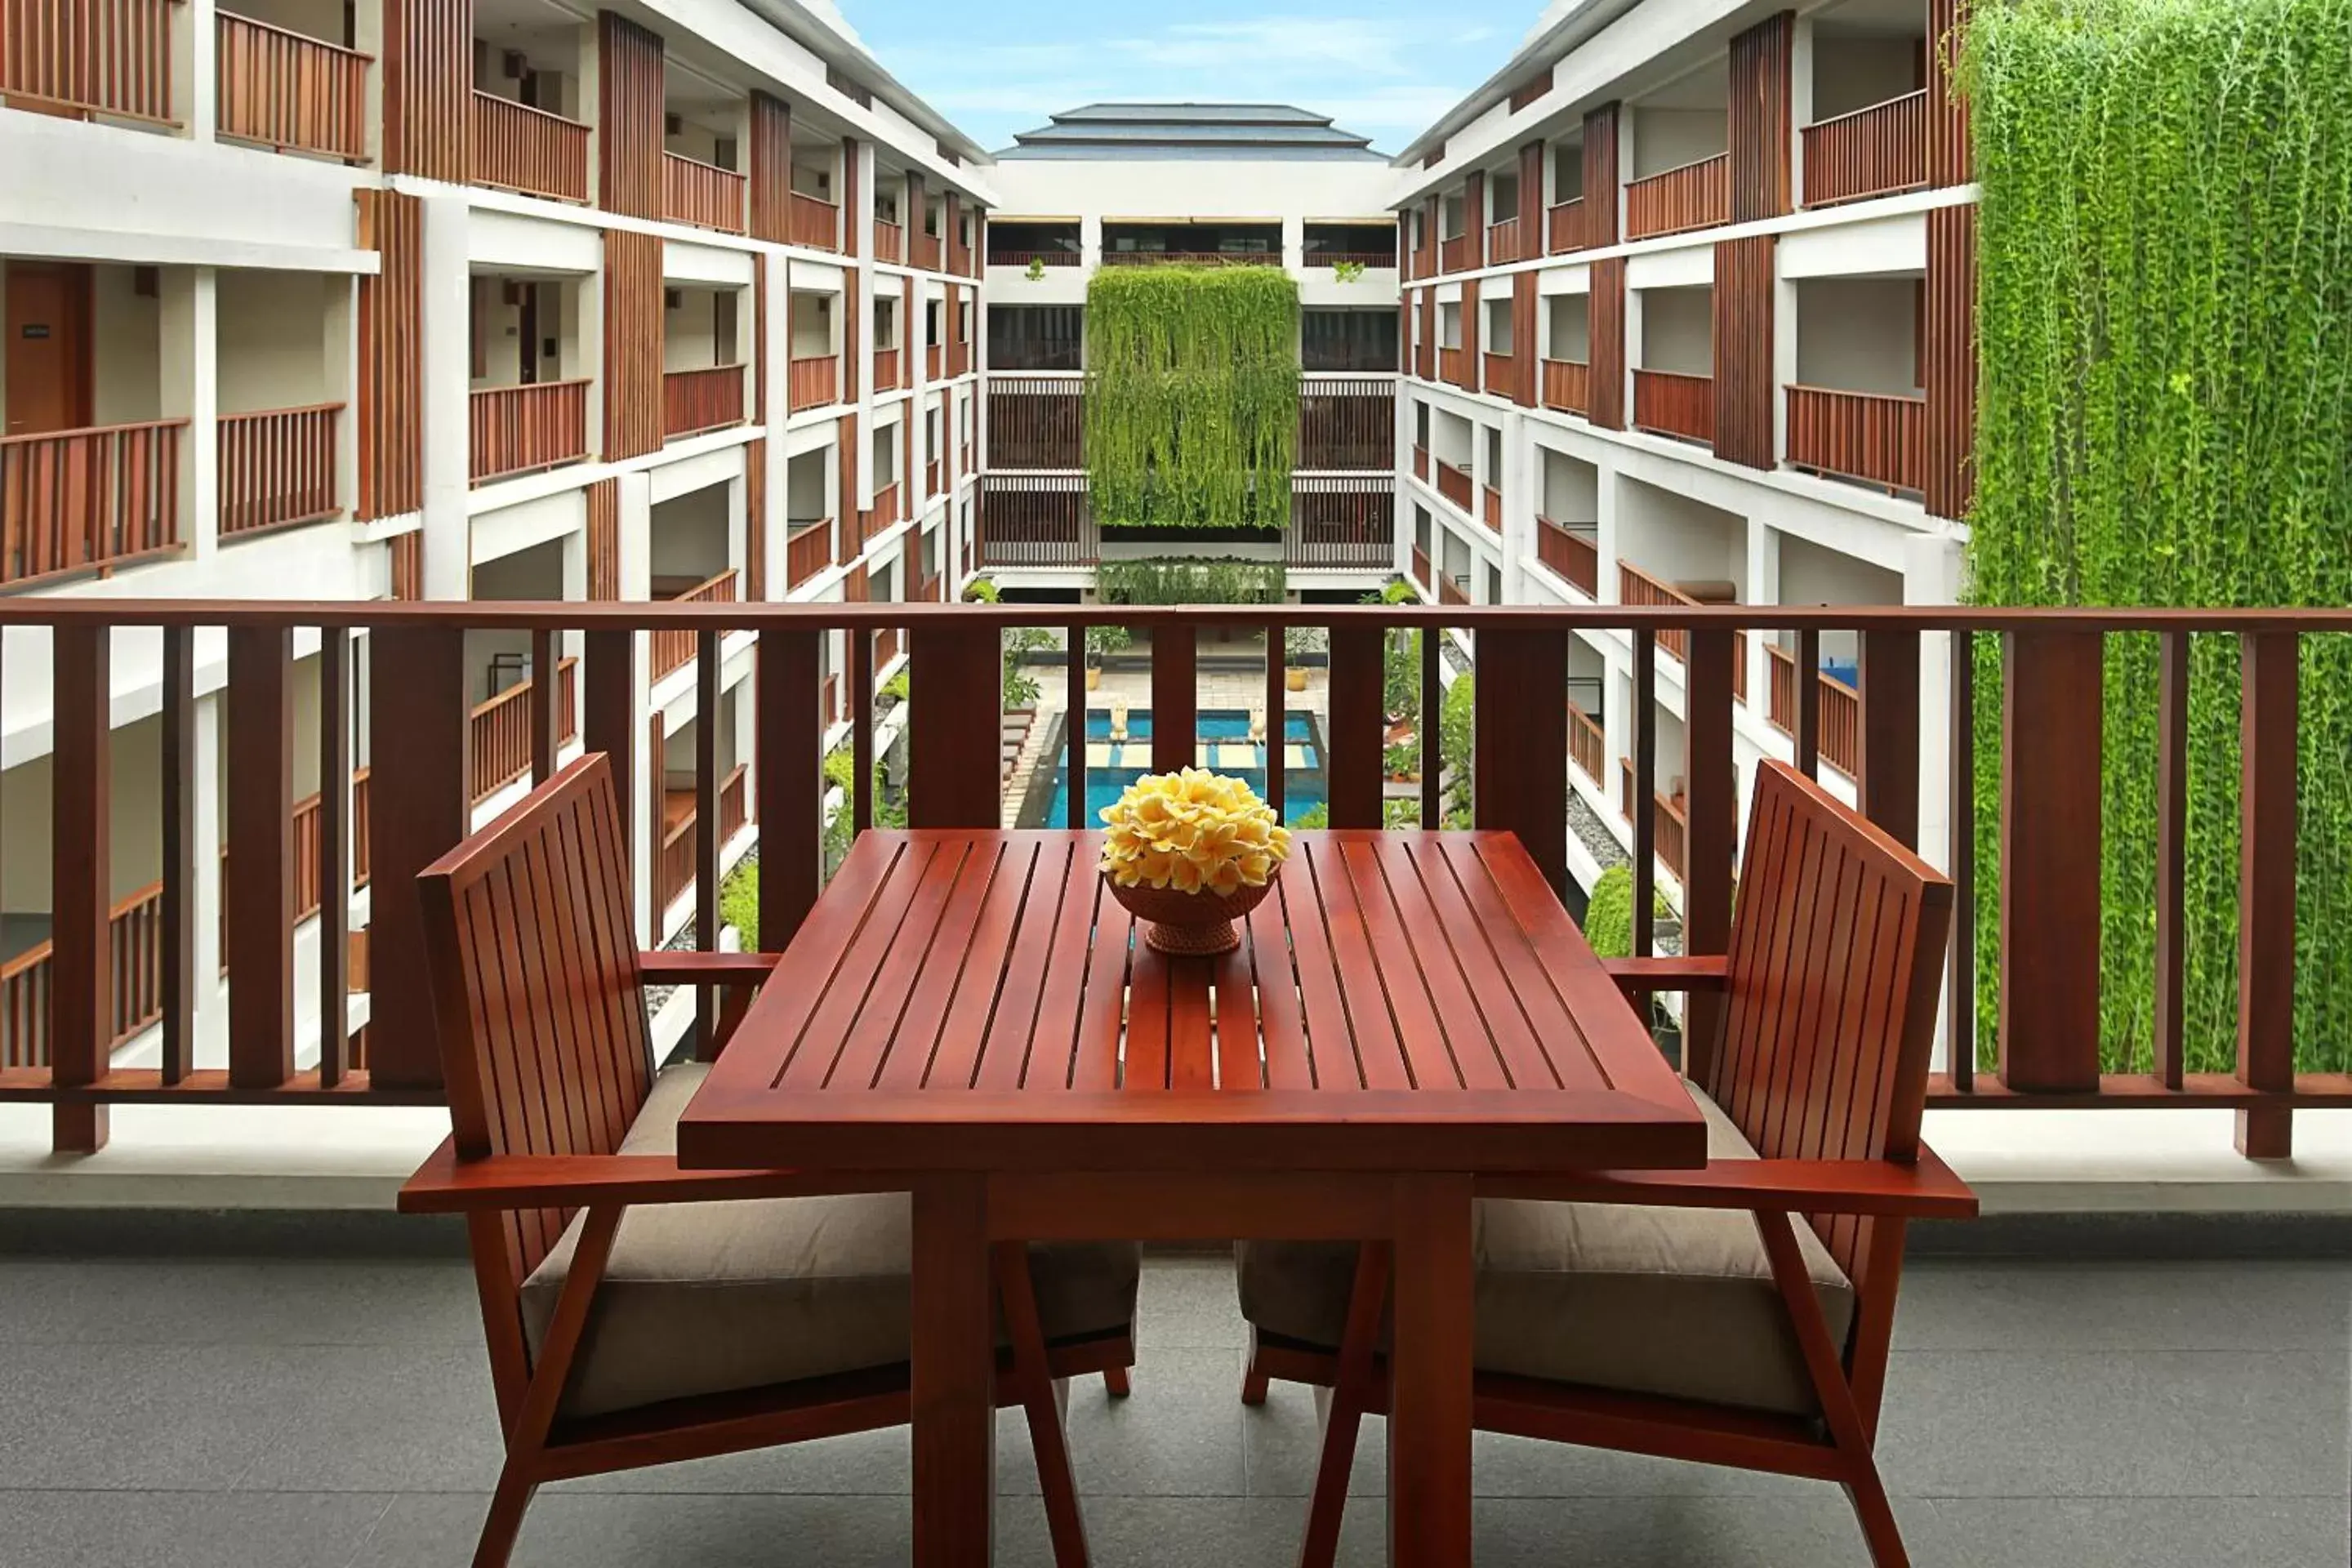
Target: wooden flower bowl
point(1190, 925)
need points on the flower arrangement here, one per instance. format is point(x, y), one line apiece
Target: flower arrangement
point(1192, 831)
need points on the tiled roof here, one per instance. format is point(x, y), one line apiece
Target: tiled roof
point(1180, 130)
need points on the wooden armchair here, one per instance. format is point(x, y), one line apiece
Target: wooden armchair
point(638, 1313)
point(1687, 1313)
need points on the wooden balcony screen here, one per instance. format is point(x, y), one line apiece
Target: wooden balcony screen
point(1491, 507)
point(290, 92)
point(1671, 822)
point(702, 194)
point(1840, 729)
point(1346, 424)
point(1450, 592)
point(886, 370)
point(277, 468)
point(1573, 553)
point(1503, 242)
point(694, 401)
point(1342, 520)
point(1036, 521)
point(523, 429)
point(107, 56)
point(75, 500)
point(816, 382)
point(1036, 422)
point(1862, 435)
point(1666, 402)
point(674, 650)
point(808, 550)
point(1567, 385)
point(1499, 374)
point(1588, 746)
point(518, 148)
point(1695, 195)
point(499, 741)
point(1454, 484)
point(889, 241)
point(1453, 254)
point(1565, 225)
point(1449, 366)
point(1874, 152)
point(816, 222)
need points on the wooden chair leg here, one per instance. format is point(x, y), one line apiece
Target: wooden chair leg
point(1115, 1382)
point(1352, 1395)
point(507, 1505)
point(1063, 1520)
point(1254, 1378)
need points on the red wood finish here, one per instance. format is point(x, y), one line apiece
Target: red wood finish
point(1567, 385)
point(1449, 366)
point(1503, 242)
point(1607, 305)
point(670, 650)
point(816, 222)
point(1588, 746)
point(769, 196)
point(522, 430)
point(1880, 150)
point(281, 90)
point(74, 499)
point(1864, 435)
point(1948, 365)
point(1840, 740)
point(815, 383)
point(135, 949)
point(1666, 402)
point(630, 123)
point(1421, 569)
point(702, 194)
point(1564, 227)
point(1744, 371)
point(1490, 505)
point(886, 370)
point(499, 739)
point(1454, 484)
point(1675, 201)
point(518, 148)
point(1455, 253)
point(1573, 554)
point(2267, 753)
point(1600, 174)
point(93, 56)
point(1498, 374)
point(1948, 109)
point(1343, 423)
point(890, 241)
point(695, 401)
point(1759, 124)
point(277, 468)
point(391, 354)
point(429, 78)
point(1038, 421)
point(1341, 520)
point(2053, 720)
point(808, 550)
point(632, 342)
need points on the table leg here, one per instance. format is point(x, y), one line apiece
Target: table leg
point(953, 1375)
point(1429, 1413)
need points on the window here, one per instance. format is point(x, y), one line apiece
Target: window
point(1348, 339)
point(1035, 337)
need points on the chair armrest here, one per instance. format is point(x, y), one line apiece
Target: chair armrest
point(1926, 1189)
point(447, 1185)
point(1712, 972)
point(706, 968)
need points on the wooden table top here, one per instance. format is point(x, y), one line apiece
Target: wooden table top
point(976, 1000)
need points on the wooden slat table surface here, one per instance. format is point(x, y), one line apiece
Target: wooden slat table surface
point(971, 1010)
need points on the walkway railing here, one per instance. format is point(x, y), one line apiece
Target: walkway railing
point(1342, 520)
point(700, 193)
point(1036, 520)
point(808, 550)
point(1669, 403)
point(522, 430)
point(1573, 553)
point(886, 370)
point(1567, 385)
point(816, 222)
point(694, 401)
point(816, 382)
point(672, 650)
point(290, 93)
point(74, 499)
point(277, 468)
point(1345, 422)
point(107, 56)
point(1839, 713)
point(1695, 195)
point(518, 148)
point(1588, 746)
point(1503, 242)
point(502, 730)
point(1454, 484)
point(1873, 151)
point(1498, 371)
point(1566, 222)
point(1038, 421)
point(1862, 435)
point(890, 240)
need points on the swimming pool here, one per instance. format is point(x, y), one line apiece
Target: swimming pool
point(1225, 734)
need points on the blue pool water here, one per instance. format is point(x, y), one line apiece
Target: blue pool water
point(1302, 787)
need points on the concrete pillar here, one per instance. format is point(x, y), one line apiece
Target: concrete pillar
point(446, 322)
point(367, 37)
point(1090, 241)
point(339, 335)
point(188, 354)
point(1800, 101)
point(1294, 243)
point(195, 70)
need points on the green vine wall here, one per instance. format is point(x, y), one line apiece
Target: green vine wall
point(1192, 400)
point(2165, 303)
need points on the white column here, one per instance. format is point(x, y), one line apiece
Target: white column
point(775, 351)
point(188, 351)
point(1784, 355)
point(1800, 101)
point(1294, 243)
point(445, 324)
point(1090, 241)
point(341, 345)
point(195, 70)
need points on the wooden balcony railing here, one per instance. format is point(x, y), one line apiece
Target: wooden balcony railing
point(1191, 258)
point(886, 370)
point(886, 510)
point(277, 468)
point(1497, 373)
point(1566, 224)
point(1862, 435)
point(94, 56)
point(923, 251)
point(1450, 592)
point(1342, 520)
point(934, 357)
point(1667, 403)
point(1588, 746)
point(290, 92)
point(1370, 260)
point(1696, 195)
point(1567, 385)
point(1839, 710)
point(734, 803)
point(522, 430)
point(1036, 422)
point(1346, 423)
point(671, 651)
point(816, 222)
point(1491, 507)
point(1673, 821)
point(674, 865)
point(2045, 1038)
point(1422, 574)
point(518, 148)
point(1454, 484)
point(500, 750)
point(74, 499)
point(1449, 366)
point(1453, 254)
point(1503, 242)
point(1038, 520)
point(1572, 553)
point(816, 382)
point(1636, 586)
point(808, 550)
point(134, 970)
point(890, 241)
point(703, 194)
point(1421, 463)
point(1873, 151)
point(1025, 259)
point(694, 401)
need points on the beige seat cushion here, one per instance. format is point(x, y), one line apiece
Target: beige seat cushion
point(710, 1297)
point(1650, 1300)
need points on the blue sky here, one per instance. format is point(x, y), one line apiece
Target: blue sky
point(1381, 68)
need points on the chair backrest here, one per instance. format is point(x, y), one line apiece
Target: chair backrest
point(1837, 953)
point(533, 959)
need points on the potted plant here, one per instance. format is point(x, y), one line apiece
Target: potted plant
point(1297, 643)
point(1102, 641)
point(1187, 854)
point(1035, 271)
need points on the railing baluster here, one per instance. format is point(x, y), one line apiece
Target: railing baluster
point(1961, 1009)
point(707, 830)
point(1175, 700)
point(1808, 702)
point(1432, 747)
point(81, 1009)
point(2267, 746)
point(1643, 808)
point(1519, 741)
point(790, 740)
point(1890, 732)
point(177, 917)
point(258, 885)
point(1351, 763)
point(546, 683)
point(334, 868)
point(1710, 830)
point(1278, 716)
point(2053, 718)
point(1074, 725)
point(957, 668)
point(418, 805)
point(2167, 1046)
point(861, 727)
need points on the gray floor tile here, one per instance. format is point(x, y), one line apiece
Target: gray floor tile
point(1283, 1442)
point(186, 1529)
point(651, 1531)
point(1178, 1435)
point(1167, 1532)
point(276, 1303)
point(420, 1419)
point(1188, 1303)
point(2172, 1424)
point(153, 1417)
point(1815, 1531)
point(1950, 1305)
point(862, 1464)
point(2135, 1533)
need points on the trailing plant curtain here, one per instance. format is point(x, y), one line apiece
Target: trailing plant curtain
point(1191, 407)
point(2165, 308)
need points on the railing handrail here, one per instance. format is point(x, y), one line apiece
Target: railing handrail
point(814, 201)
point(1920, 397)
point(701, 163)
point(529, 387)
point(530, 109)
point(519, 689)
point(1571, 201)
point(1917, 93)
point(1681, 168)
point(1690, 375)
point(179, 423)
point(1668, 592)
point(40, 951)
point(295, 35)
point(277, 413)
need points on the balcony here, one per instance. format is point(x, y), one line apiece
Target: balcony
point(816, 222)
point(808, 550)
point(1636, 586)
point(499, 740)
point(1342, 520)
point(277, 468)
point(1667, 403)
point(1346, 423)
point(1191, 258)
point(1028, 259)
point(1036, 422)
point(934, 357)
point(884, 513)
point(670, 649)
point(1450, 590)
point(1567, 385)
point(923, 251)
point(1671, 825)
point(290, 92)
point(1503, 242)
point(1453, 254)
point(1422, 571)
point(886, 370)
point(1491, 507)
point(1449, 366)
point(702, 194)
point(1565, 223)
point(1880, 150)
point(523, 429)
point(1498, 373)
point(1838, 711)
point(74, 500)
point(814, 382)
point(1588, 746)
point(695, 401)
point(518, 148)
point(1035, 520)
point(1695, 195)
point(890, 241)
point(1572, 553)
point(1454, 483)
point(1859, 435)
point(1421, 463)
point(111, 58)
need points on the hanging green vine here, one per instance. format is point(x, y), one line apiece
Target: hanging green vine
point(1192, 406)
point(1171, 582)
point(2165, 310)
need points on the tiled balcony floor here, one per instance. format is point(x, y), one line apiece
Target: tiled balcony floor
point(329, 1414)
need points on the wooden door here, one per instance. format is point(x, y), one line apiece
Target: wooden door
point(48, 368)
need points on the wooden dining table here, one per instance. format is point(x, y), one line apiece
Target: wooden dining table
point(1408, 1012)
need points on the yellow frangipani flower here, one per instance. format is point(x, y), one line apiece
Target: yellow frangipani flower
point(1193, 830)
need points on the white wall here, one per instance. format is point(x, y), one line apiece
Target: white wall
point(1678, 331)
point(1854, 70)
point(692, 535)
point(1569, 323)
point(1676, 539)
point(1669, 138)
point(1571, 488)
point(126, 338)
point(272, 329)
point(1858, 334)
